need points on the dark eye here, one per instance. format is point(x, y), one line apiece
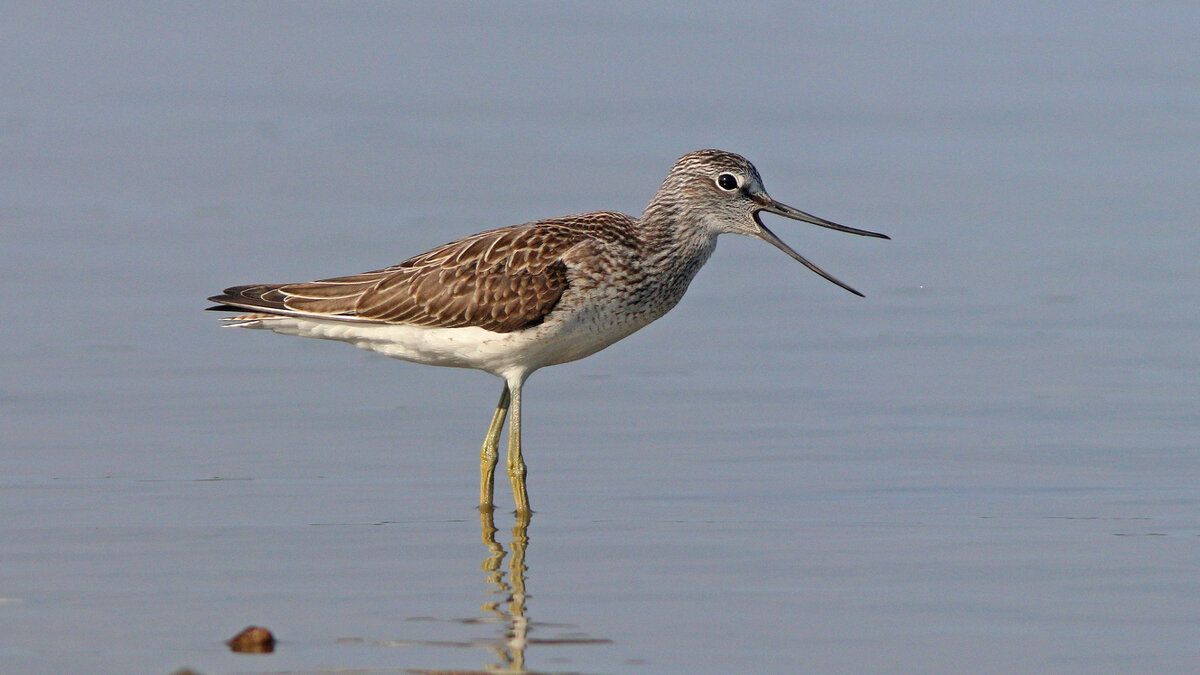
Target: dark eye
point(727, 181)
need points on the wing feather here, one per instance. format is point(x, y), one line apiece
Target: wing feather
point(500, 280)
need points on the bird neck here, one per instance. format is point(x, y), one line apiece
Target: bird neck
point(676, 236)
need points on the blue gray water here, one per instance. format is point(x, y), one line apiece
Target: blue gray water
point(990, 464)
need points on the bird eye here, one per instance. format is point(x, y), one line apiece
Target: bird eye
point(727, 181)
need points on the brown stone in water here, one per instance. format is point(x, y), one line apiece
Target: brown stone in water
point(252, 640)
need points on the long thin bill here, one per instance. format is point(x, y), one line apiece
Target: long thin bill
point(769, 237)
point(786, 211)
point(772, 206)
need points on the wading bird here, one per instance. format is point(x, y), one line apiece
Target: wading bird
point(512, 300)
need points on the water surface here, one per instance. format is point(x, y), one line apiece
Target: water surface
point(987, 465)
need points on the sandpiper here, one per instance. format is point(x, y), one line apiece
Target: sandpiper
point(512, 300)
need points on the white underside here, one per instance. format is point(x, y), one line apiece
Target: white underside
point(508, 355)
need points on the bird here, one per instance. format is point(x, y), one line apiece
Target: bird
point(512, 300)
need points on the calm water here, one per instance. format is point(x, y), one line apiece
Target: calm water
point(990, 464)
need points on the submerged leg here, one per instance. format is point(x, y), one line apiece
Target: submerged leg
point(489, 453)
point(516, 463)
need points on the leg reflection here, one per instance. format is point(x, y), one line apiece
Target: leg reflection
point(506, 607)
point(509, 608)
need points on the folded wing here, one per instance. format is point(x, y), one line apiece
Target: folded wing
point(501, 280)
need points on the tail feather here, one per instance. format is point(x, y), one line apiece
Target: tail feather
point(266, 301)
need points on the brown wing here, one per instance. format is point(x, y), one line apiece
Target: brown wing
point(501, 280)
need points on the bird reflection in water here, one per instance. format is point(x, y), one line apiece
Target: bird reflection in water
point(506, 605)
point(510, 607)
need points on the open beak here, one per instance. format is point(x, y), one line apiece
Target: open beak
point(771, 206)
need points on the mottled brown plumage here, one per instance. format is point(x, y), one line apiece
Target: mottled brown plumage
point(501, 280)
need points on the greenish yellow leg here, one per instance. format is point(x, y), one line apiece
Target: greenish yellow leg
point(516, 463)
point(490, 452)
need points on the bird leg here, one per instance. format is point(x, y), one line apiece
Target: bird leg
point(516, 464)
point(490, 452)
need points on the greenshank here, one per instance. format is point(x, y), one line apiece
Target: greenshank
point(512, 300)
